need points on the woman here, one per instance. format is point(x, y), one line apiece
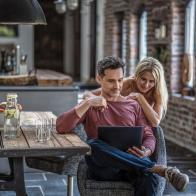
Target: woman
point(148, 87)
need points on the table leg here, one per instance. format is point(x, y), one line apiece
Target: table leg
point(19, 176)
point(70, 185)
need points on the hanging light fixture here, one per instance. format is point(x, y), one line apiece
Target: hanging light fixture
point(87, 2)
point(60, 6)
point(72, 4)
point(21, 12)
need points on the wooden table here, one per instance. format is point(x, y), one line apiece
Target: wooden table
point(26, 145)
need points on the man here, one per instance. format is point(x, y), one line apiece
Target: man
point(107, 162)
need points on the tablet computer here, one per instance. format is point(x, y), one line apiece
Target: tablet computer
point(121, 137)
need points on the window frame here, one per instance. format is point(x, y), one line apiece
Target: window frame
point(189, 46)
point(142, 35)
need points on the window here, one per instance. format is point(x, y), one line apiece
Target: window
point(22, 35)
point(143, 35)
point(189, 43)
point(189, 27)
point(7, 31)
point(124, 40)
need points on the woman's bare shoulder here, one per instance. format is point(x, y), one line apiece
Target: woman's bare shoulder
point(128, 84)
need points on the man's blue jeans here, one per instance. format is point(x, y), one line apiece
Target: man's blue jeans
point(109, 163)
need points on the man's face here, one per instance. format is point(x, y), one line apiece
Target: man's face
point(111, 82)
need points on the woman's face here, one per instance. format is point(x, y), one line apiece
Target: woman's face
point(145, 82)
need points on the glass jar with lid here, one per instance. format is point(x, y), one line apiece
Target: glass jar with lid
point(11, 117)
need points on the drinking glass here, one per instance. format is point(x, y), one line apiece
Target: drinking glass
point(40, 130)
point(48, 128)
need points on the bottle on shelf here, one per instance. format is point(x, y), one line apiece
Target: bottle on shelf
point(23, 65)
point(17, 70)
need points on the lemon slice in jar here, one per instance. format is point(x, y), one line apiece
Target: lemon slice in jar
point(10, 113)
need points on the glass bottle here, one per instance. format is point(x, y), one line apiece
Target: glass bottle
point(11, 117)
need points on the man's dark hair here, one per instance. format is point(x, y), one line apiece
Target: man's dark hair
point(109, 62)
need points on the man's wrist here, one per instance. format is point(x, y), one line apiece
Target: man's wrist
point(87, 102)
point(82, 108)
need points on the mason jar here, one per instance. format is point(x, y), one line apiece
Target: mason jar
point(11, 117)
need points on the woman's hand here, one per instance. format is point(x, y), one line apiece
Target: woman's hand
point(143, 152)
point(136, 96)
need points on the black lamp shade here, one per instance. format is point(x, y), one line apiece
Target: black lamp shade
point(21, 12)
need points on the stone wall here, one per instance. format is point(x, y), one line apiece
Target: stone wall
point(180, 121)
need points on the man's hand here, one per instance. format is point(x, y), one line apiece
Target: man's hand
point(98, 102)
point(88, 94)
point(143, 152)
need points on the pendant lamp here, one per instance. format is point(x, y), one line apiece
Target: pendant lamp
point(21, 12)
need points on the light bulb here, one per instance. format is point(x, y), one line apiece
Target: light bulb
point(60, 6)
point(72, 4)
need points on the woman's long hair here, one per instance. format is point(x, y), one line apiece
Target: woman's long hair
point(155, 67)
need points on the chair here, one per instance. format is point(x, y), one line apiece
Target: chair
point(59, 164)
point(91, 187)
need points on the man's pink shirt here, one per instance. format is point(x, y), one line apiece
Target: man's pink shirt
point(126, 113)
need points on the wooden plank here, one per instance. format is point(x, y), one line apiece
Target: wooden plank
point(75, 140)
point(47, 77)
point(62, 140)
point(30, 135)
point(17, 143)
point(69, 139)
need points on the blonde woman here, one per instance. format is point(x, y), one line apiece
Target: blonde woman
point(148, 87)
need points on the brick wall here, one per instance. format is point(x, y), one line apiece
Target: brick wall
point(180, 121)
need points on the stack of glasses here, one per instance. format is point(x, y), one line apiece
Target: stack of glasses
point(44, 127)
